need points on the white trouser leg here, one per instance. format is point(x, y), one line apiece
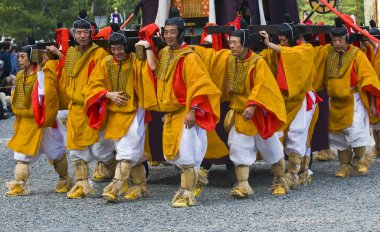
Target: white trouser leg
point(101, 151)
point(308, 151)
point(62, 117)
point(200, 146)
point(25, 158)
point(52, 143)
point(131, 146)
point(297, 136)
point(356, 135)
point(189, 153)
point(271, 149)
point(243, 148)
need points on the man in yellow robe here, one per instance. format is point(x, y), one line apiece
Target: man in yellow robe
point(111, 99)
point(257, 110)
point(35, 105)
point(84, 142)
point(182, 87)
point(353, 88)
point(293, 66)
point(371, 49)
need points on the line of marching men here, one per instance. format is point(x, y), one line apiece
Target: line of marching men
point(273, 108)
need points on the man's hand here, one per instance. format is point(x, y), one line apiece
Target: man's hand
point(248, 112)
point(143, 43)
point(163, 118)
point(117, 97)
point(190, 119)
point(54, 50)
point(265, 35)
point(43, 62)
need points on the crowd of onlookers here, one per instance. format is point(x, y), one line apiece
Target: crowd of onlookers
point(8, 70)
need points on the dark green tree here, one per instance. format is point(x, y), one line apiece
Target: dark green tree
point(351, 7)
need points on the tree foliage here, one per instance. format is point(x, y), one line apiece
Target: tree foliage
point(351, 7)
point(19, 19)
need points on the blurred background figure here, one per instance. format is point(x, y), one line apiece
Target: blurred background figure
point(14, 52)
point(116, 17)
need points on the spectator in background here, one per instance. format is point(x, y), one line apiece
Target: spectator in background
point(4, 100)
point(7, 77)
point(5, 56)
point(14, 52)
point(116, 18)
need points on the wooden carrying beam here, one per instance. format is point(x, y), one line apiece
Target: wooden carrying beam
point(272, 29)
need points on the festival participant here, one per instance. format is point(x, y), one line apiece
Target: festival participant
point(183, 90)
point(35, 105)
point(111, 101)
point(353, 88)
point(257, 110)
point(293, 66)
point(84, 142)
point(371, 49)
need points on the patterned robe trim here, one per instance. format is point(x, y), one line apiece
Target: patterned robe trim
point(168, 61)
point(337, 64)
point(75, 60)
point(119, 78)
point(23, 90)
point(237, 72)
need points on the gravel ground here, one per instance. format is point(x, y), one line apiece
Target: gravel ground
point(328, 204)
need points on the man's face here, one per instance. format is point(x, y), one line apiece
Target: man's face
point(170, 35)
point(82, 36)
point(283, 40)
point(235, 46)
point(340, 44)
point(118, 51)
point(23, 60)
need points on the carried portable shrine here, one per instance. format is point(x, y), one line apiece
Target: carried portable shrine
point(214, 17)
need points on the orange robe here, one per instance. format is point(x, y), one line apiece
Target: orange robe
point(247, 83)
point(295, 72)
point(31, 116)
point(355, 74)
point(75, 75)
point(112, 76)
point(374, 58)
point(181, 81)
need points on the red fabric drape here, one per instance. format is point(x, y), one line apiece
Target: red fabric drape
point(281, 78)
point(38, 110)
point(97, 110)
point(147, 33)
point(265, 121)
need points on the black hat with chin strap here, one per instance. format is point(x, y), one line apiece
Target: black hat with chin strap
point(243, 35)
point(82, 22)
point(288, 30)
point(119, 37)
point(339, 29)
point(180, 25)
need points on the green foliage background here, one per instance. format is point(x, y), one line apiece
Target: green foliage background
point(20, 18)
point(351, 7)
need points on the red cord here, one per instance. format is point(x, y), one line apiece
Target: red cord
point(340, 15)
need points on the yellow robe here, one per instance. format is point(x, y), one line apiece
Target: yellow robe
point(31, 118)
point(374, 59)
point(299, 69)
point(339, 87)
point(254, 86)
point(75, 75)
point(216, 148)
point(110, 76)
point(197, 83)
